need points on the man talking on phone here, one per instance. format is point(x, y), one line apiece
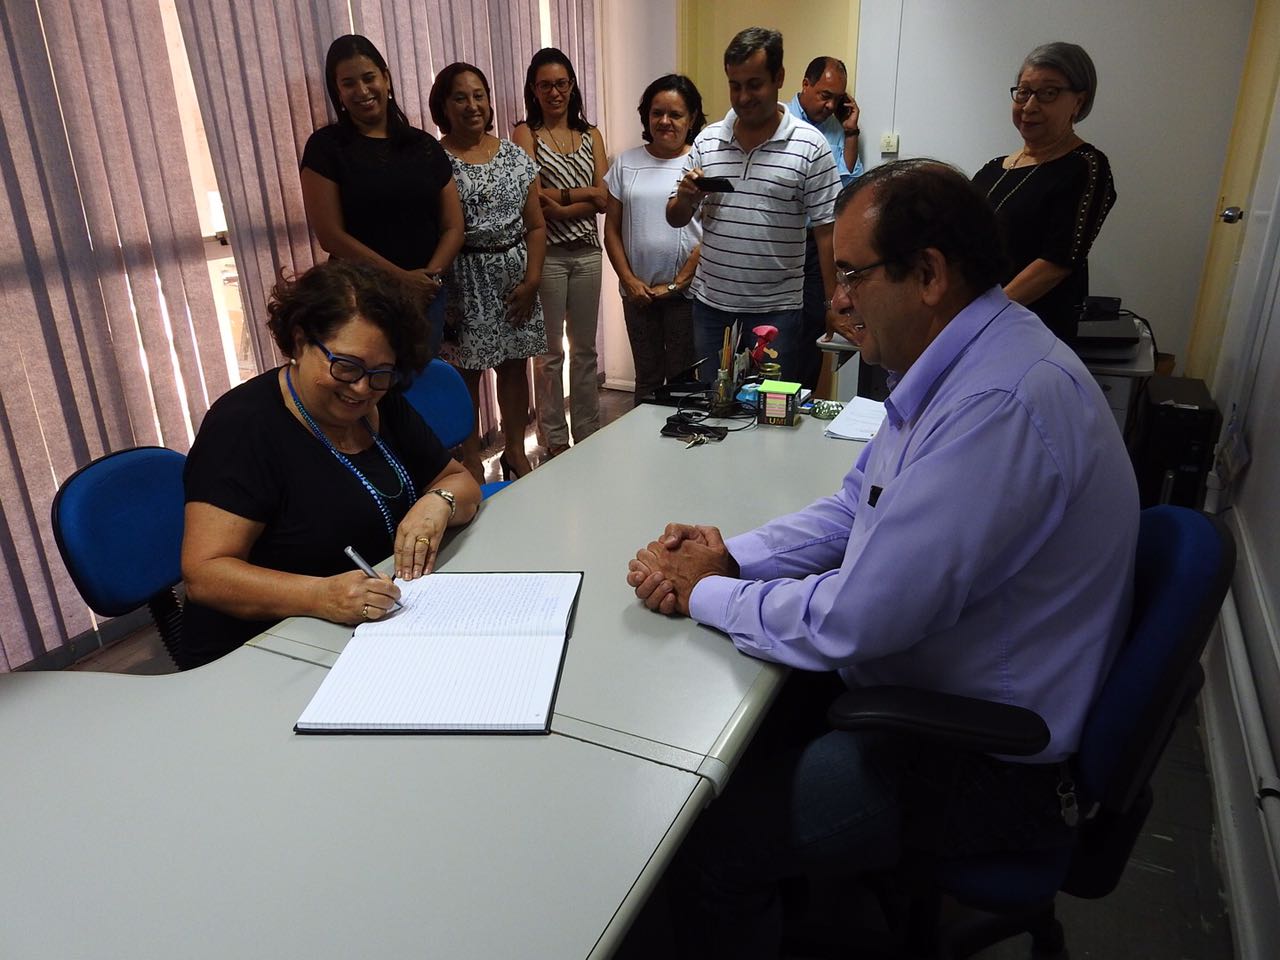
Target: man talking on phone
point(784, 180)
point(824, 101)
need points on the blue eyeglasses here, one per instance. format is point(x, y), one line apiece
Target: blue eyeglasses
point(350, 370)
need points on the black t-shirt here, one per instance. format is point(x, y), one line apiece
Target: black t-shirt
point(390, 192)
point(253, 458)
point(1052, 211)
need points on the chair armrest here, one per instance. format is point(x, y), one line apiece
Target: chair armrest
point(962, 722)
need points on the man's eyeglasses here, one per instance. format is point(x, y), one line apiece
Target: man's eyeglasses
point(563, 85)
point(849, 279)
point(1044, 94)
point(349, 370)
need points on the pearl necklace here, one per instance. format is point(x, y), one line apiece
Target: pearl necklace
point(380, 498)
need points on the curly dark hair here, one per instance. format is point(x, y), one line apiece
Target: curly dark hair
point(443, 86)
point(533, 109)
point(926, 203)
point(330, 294)
point(676, 83)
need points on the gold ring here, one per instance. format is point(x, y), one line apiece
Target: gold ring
point(364, 611)
point(426, 540)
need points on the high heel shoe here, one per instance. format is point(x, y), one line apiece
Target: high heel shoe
point(508, 471)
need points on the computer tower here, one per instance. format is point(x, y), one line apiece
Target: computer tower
point(1172, 446)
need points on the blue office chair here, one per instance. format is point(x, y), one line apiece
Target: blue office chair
point(441, 398)
point(1184, 566)
point(118, 525)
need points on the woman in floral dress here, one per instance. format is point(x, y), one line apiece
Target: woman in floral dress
point(494, 318)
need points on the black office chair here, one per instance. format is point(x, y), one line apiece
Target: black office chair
point(118, 524)
point(1184, 565)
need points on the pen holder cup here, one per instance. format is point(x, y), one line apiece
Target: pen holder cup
point(722, 402)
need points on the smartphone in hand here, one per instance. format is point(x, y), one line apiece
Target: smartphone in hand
point(714, 184)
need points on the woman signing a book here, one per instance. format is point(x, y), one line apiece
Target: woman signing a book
point(322, 453)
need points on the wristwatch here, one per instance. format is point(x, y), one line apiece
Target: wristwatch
point(672, 287)
point(448, 497)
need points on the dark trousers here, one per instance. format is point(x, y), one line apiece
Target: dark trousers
point(814, 323)
point(709, 325)
point(661, 335)
point(807, 801)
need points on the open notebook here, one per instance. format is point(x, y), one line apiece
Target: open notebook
point(468, 653)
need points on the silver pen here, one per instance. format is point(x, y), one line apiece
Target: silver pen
point(367, 570)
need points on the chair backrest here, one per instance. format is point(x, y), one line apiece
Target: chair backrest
point(1183, 570)
point(441, 398)
point(118, 524)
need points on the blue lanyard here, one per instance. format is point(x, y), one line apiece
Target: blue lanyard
point(380, 498)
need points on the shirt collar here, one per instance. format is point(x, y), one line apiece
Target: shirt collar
point(786, 124)
point(918, 384)
point(799, 111)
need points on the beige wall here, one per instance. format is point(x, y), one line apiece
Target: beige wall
point(817, 28)
point(1259, 87)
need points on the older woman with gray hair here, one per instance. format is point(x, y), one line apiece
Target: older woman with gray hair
point(1053, 194)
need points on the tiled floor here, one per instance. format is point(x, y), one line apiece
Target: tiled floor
point(1169, 905)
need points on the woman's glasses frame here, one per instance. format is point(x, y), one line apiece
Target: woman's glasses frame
point(563, 85)
point(351, 370)
point(1044, 95)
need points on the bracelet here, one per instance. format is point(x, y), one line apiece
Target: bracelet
point(447, 496)
point(564, 197)
point(852, 133)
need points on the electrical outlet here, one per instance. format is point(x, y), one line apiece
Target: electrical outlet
point(889, 143)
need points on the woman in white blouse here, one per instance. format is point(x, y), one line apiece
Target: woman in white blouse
point(654, 261)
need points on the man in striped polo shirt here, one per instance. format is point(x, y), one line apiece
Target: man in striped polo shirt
point(753, 242)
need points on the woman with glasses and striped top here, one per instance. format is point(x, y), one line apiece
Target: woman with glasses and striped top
point(570, 156)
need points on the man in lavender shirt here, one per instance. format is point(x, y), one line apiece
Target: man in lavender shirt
point(982, 545)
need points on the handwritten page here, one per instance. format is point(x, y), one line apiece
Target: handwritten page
point(468, 653)
point(482, 603)
point(859, 420)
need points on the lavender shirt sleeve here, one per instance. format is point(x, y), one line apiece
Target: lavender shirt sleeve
point(844, 581)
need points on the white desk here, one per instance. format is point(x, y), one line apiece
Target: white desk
point(653, 686)
point(179, 817)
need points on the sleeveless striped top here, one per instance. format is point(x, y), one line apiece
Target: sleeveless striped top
point(566, 171)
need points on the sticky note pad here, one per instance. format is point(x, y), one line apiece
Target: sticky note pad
point(777, 402)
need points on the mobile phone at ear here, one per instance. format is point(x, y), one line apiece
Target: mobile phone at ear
point(714, 184)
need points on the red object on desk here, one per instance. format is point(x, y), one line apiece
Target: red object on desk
point(765, 335)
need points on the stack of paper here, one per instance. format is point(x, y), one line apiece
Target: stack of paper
point(859, 420)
